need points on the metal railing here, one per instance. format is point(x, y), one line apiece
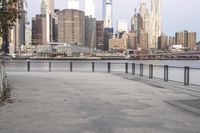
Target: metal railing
point(164, 72)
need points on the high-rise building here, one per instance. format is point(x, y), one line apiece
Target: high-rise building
point(17, 33)
point(73, 4)
point(132, 40)
point(192, 39)
point(28, 34)
point(108, 34)
point(47, 9)
point(71, 26)
point(107, 13)
point(100, 34)
point(120, 43)
point(143, 40)
point(55, 25)
point(90, 8)
point(47, 6)
point(122, 25)
point(163, 42)
point(39, 29)
point(171, 41)
point(156, 23)
point(90, 32)
point(186, 39)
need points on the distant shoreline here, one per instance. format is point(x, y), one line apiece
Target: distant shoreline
point(89, 59)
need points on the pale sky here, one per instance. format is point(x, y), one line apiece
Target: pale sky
point(177, 15)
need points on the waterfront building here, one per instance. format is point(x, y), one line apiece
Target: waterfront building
point(99, 34)
point(143, 41)
point(122, 25)
point(71, 26)
point(90, 8)
point(39, 29)
point(55, 25)
point(119, 43)
point(132, 40)
point(108, 34)
point(73, 4)
point(186, 39)
point(171, 41)
point(90, 32)
point(107, 13)
point(163, 42)
point(192, 40)
point(28, 34)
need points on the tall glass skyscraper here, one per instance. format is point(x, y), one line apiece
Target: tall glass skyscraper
point(47, 9)
point(107, 13)
point(156, 22)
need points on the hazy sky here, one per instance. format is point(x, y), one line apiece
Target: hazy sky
point(177, 15)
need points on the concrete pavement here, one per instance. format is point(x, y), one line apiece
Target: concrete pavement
point(91, 103)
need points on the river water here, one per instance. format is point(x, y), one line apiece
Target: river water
point(175, 73)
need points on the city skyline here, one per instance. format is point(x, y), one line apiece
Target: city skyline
point(177, 18)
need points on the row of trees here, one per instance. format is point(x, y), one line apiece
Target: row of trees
point(8, 16)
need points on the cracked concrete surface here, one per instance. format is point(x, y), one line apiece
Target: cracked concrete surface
point(91, 103)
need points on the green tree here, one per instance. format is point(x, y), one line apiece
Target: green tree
point(8, 16)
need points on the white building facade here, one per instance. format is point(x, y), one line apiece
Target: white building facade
point(107, 13)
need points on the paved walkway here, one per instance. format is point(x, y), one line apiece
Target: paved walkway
point(91, 103)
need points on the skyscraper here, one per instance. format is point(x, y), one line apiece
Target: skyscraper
point(90, 8)
point(47, 8)
point(90, 32)
point(186, 39)
point(107, 13)
point(71, 26)
point(156, 23)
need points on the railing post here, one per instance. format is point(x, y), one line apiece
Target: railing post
point(186, 76)
point(92, 66)
point(150, 71)
point(49, 66)
point(71, 66)
point(109, 67)
point(126, 67)
point(141, 69)
point(133, 68)
point(166, 73)
point(28, 66)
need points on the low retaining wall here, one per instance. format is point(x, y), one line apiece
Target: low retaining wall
point(3, 81)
